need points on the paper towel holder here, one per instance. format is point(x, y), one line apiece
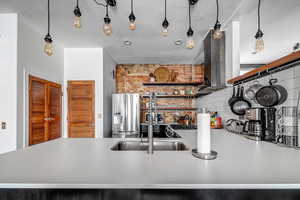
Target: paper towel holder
point(205, 156)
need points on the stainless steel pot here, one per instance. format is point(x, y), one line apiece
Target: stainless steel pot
point(240, 106)
point(252, 90)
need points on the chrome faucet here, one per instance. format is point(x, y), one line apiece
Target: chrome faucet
point(152, 105)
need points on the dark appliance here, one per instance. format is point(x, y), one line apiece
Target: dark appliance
point(261, 123)
point(270, 126)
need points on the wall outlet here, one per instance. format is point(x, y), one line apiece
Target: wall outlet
point(3, 125)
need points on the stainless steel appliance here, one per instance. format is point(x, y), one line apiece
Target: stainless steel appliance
point(261, 123)
point(125, 114)
point(214, 62)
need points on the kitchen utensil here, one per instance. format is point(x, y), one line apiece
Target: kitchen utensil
point(240, 106)
point(173, 76)
point(271, 95)
point(162, 74)
point(252, 90)
point(234, 126)
point(234, 95)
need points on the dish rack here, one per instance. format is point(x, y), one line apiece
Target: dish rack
point(287, 125)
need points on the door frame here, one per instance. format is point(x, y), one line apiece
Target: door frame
point(93, 82)
point(27, 80)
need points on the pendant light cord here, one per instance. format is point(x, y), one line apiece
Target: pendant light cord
point(217, 10)
point(131, 6)
point(106, 10)
point(258, 15)
point(77, 3)
point(48, 17)
point(165, 9)
point(190, 23)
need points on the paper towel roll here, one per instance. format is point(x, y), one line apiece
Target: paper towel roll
point(203, 131)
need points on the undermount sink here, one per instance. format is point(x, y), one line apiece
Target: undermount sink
point(143, 146)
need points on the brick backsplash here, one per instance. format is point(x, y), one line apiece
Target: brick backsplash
point(217, 101)
point(130, 79)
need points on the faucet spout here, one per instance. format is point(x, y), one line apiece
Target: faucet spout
point(150, 125)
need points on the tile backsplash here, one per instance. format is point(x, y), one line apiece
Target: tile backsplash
point(218, 101)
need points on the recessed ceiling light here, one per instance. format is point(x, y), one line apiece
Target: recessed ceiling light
point(127, 43)
point(178, 42)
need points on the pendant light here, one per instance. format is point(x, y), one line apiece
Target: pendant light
point(218, 34)
point(165, 23)
point(259, 44)
point(107, 28)
point(132, 24)
point(48, 48)
point(77, 19)
point(190, 44)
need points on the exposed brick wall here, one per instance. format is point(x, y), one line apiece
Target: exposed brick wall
point(130, 79)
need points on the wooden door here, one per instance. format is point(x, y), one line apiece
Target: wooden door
point(81, 109)
point(44, 110)
point(54, 111)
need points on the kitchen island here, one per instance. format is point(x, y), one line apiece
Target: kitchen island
point(91, 164)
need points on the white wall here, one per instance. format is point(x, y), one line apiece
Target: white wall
point(109, 64)
point(8, 81)
point(32, 60)
point(85, 64)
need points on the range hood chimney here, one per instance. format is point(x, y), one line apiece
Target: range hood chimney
point(214, 62)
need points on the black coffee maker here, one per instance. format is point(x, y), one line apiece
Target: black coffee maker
point(260, 124)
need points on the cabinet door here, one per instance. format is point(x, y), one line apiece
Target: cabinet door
point(54, 111)
point(81, 112)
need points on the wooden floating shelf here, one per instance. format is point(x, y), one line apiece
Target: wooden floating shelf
point(275, 64)
point(173, 96)
point(172, 83)
point(174, 108)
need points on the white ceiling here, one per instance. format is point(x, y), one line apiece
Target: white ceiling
point(279, 23)
point(148, 46)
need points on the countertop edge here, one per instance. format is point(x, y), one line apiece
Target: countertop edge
point(147, 186)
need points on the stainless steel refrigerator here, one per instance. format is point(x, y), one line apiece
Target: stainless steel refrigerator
point(125, 114)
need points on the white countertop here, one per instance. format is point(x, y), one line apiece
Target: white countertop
point(89, 163)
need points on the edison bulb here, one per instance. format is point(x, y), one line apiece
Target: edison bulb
point(132, 25)
point(259, 45)
point(190, 44)
point(218, 34)
point(164, 32)
point(77, 22)
point(107, 29)
point(48, 49)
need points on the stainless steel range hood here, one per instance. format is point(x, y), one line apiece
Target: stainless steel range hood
point(214, 64)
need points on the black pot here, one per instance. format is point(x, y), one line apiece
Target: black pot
point(272, 95)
